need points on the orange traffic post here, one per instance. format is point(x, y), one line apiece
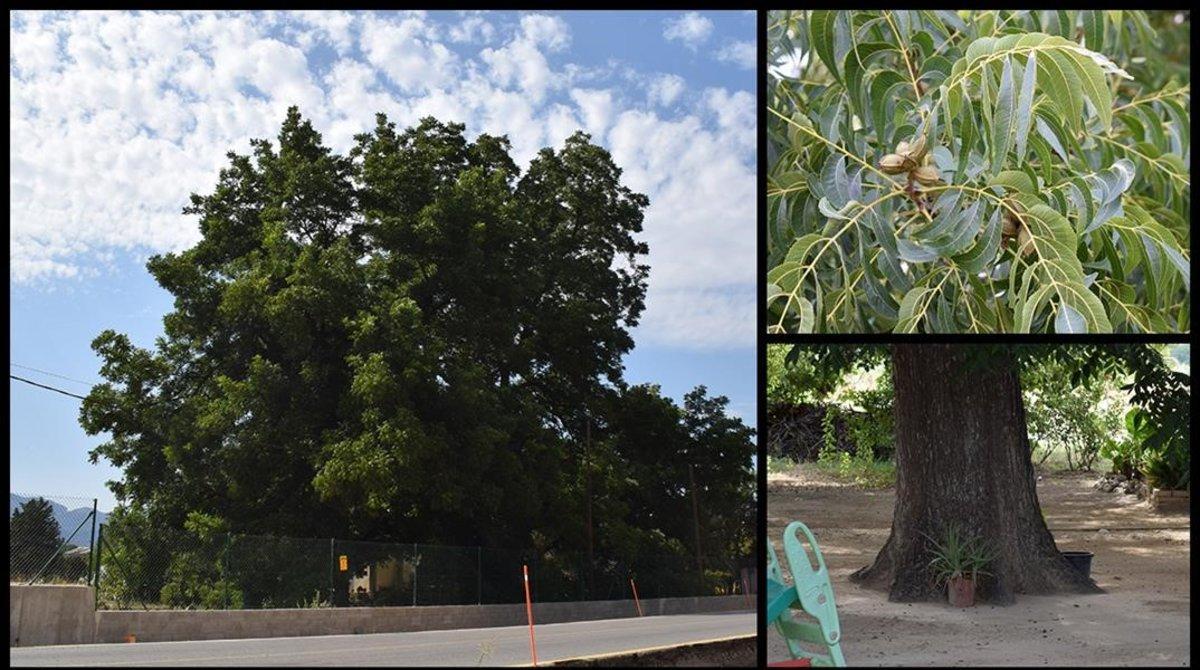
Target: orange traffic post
point(636, 602)
point(529, 613)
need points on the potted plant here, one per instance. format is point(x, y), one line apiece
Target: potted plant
point(1168, 474)
point(959, 561)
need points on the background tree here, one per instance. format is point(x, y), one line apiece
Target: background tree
point(963, 455)
point(33, 539)
point(978, 171)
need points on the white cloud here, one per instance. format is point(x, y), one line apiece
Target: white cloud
point(700, 319)
point(408, 53)
point(548, 31)
point(520, 62)
point(665, 89)
point(333, 28)
point(473, 29)
point(691, 28)
point(597, 108)
point(116, 117)
point(743, 54)
point(735, 112)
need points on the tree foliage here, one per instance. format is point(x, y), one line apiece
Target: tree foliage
point(978, 171)
point(411, 342)
point(33, 538)
point(1067, 383)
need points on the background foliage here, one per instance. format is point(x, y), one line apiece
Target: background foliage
point(1124, 404)
point(978, 171)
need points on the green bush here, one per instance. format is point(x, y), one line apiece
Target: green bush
point(874, 428)
point(1077, 422)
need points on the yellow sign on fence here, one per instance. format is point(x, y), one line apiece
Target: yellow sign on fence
point(343, 563)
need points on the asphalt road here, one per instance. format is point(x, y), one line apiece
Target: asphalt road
point(471, 646)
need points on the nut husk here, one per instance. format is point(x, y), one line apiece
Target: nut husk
point(927, 175)
point(1009, 226)
point(914, 151)
point(895, 164)
point(1024, 239)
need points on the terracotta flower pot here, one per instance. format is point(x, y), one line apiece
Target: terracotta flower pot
point(961, 591)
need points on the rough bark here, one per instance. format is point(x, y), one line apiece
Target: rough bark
point(963, 457)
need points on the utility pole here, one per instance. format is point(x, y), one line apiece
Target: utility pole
point(696, 521)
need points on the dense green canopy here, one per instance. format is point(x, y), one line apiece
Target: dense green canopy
point(414, 342)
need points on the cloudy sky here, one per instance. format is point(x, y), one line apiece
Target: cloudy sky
point(116, 117)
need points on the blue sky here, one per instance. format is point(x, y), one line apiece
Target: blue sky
point(115, 117)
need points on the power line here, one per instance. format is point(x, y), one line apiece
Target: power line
point(48, 388)
point(52, 374)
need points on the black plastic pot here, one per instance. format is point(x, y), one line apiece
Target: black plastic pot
point(1080, 560)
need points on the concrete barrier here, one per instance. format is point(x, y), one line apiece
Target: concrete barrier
point(50, 614)
point(168, 625)
point(739, 651)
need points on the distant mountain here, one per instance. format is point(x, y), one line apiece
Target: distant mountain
point(67, 519)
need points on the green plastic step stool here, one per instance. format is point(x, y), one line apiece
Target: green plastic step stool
point(809, 597)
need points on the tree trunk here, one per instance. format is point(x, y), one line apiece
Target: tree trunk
point(963, 457)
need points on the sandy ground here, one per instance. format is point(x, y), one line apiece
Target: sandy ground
point(1142, 619)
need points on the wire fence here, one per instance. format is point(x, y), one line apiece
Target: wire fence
point(50, 538)
point(141, 570)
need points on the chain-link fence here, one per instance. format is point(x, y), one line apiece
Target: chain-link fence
point(222, 571)
point(50, 538)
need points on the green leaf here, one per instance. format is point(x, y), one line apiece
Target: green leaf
point(1063, 88)
point(822, 26)
point(967, 133)
point(883, 91)
point(979, 257)
point(909, 318)
point(1015, 181)
point(1094, 86)
point(1093, 29)
point(1003, 119)
point(914, 252)
point(1029, 309)
point(1069, 320)
point(1025, 106)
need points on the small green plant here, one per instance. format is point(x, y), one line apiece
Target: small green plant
point(861, 469)
point(958, 555)
point(873, 428)
point(780, 464)
point(317, 601)
point(829, 430)
point(1169, 469)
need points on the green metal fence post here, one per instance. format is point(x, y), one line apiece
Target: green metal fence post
point(479, 572)
point(225, 567)
point(415, 563)
point(97, 549)
point(92, 545)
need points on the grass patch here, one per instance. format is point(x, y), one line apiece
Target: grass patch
point(864, 472)
point(780, 465)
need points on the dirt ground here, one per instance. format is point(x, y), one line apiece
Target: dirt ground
point(1142, 619)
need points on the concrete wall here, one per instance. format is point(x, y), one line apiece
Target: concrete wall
point(50, 614)
point(165, 625)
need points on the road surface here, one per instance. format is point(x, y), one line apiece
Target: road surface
point(472, 646)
